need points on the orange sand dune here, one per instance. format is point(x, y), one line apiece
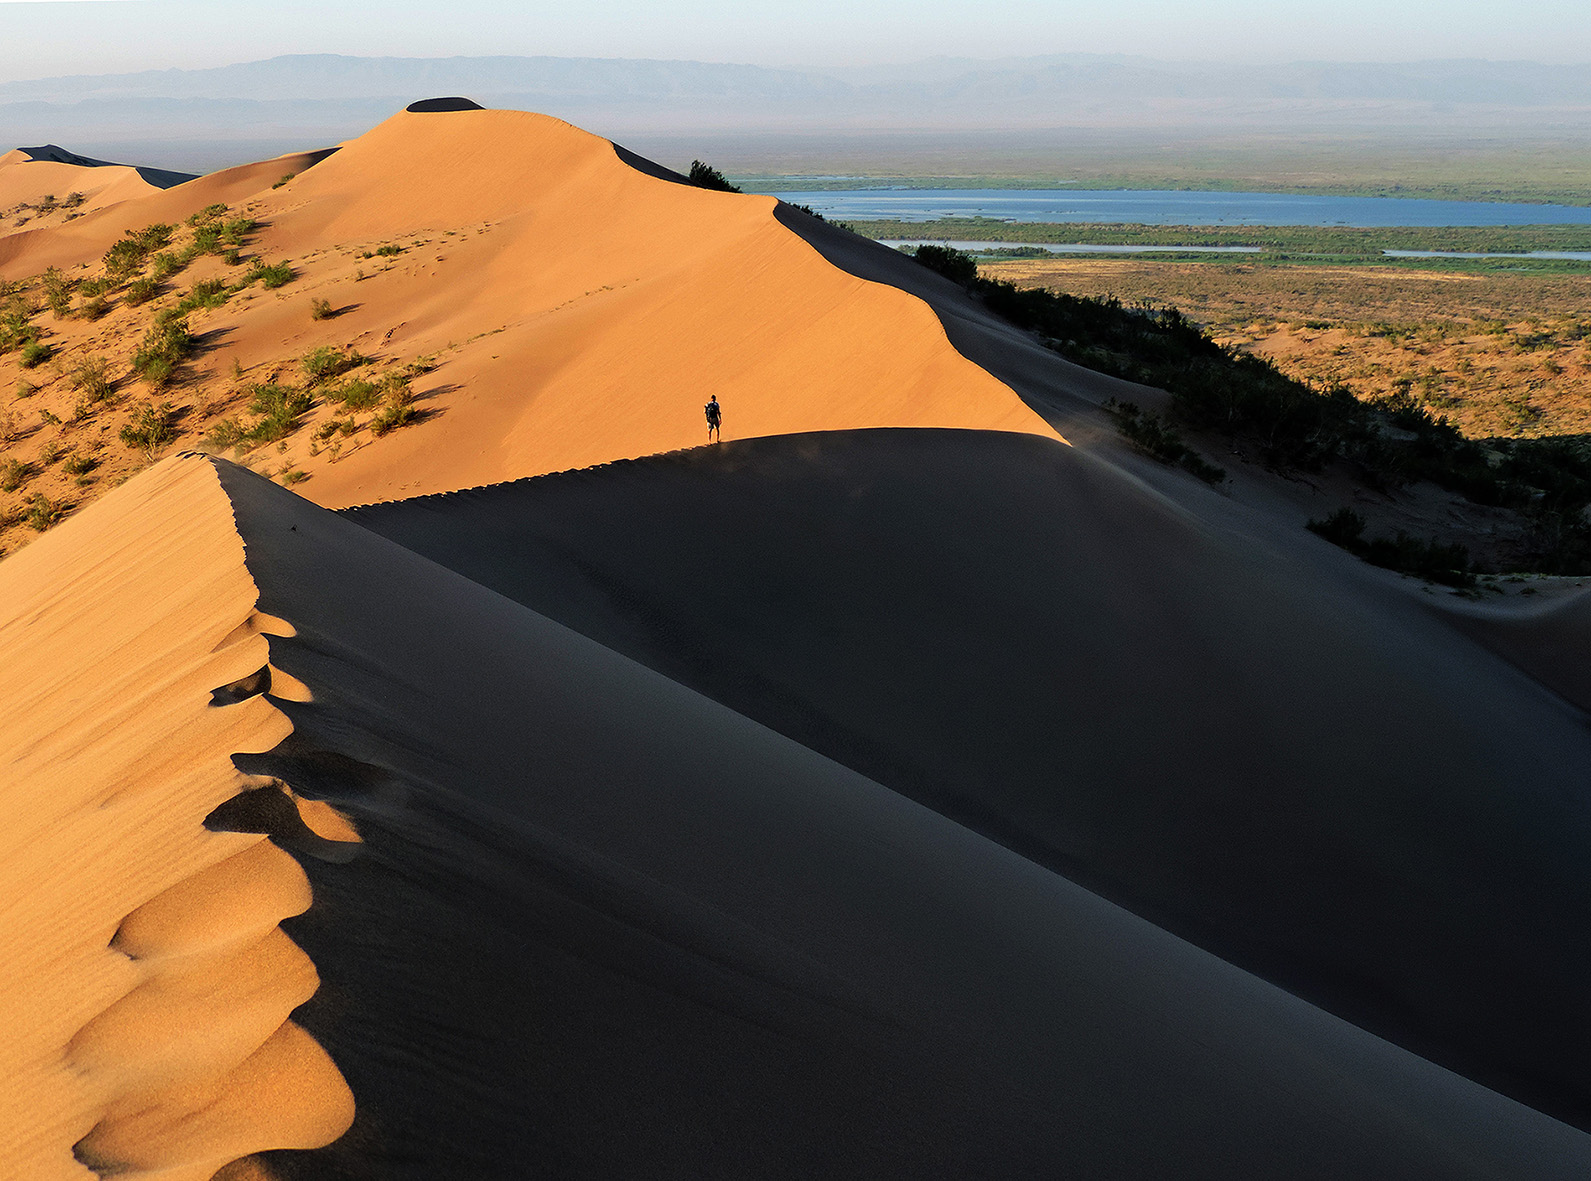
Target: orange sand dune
point(24, 178)
point(578, 309)
point(595, 308)
point(147, 987)
point(83, 240)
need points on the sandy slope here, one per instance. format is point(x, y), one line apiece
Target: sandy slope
point(1231, 727)
point(578, 308)
point(627, 931)
point(147, 986)
point(26, 179)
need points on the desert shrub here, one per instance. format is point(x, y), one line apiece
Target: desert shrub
point(326, 430)
point(325, 363)
point(953, 264)
point(141, 291)
point(1431, 560)
point(44, 512)
point(50, 452)
point(1153, 435)
point(280, 407)
point(79, 465)
point(57, 293)
point(92, 309)
point(356, 394)
point(49, 417)
point(26, 389)
point(165, 346)
point(165, 264)
point(705, 176)
point(35, 353)
point(229, 432)
point(150, 428)
point(235, 232)
point(270, 275)
point(207, 293)
point(208, 214)
point(13, 474)
point(289, 176)
point(388, 251)
point(207, 239)
point(93, 379)
point(128, 256)
point(320, 309)
point(397, 409)
point(292, 475)
point(16, 325)
point(95, 286)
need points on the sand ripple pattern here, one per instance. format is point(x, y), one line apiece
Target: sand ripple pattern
point(142, 885)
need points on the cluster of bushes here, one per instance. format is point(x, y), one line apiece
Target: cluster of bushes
point(279, 408)
point(214, 233)
point(206, 293)
point(1293, 425)
point(151, 428)
point(325, 363)
point(129, 256)
point(705, 176)
point(1158, 438)
point(270, 275)
point(165, 346)
point(1430, 560)
point(17, 329)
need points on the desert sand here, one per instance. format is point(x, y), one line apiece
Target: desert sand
point(30, 175)
point(918, 784)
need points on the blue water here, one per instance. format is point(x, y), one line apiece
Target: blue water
point(1072, 247)
point(1083, 248)
point(1147, 207)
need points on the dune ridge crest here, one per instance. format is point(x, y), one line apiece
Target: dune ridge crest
point(149, 1029)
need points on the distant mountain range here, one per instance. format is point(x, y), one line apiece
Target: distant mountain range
point(288, 102)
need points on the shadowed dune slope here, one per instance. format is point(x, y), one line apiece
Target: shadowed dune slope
point(147, 987)
point(1263, 747)
point(603, 926)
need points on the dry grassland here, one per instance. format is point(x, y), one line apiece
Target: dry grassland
point(1497, 354)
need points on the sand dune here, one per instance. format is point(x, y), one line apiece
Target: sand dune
point(835, 801)
point(565, 915)
point(576, 308)
point(1249, 748)
point(148, 987)
point(27, 175)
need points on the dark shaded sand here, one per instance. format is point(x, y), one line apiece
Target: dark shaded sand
point(1267, 748)
point(602, 926)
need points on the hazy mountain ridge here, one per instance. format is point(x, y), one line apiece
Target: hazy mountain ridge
point(1034, 91)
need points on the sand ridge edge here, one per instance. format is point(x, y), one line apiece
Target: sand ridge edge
point(151, 1030)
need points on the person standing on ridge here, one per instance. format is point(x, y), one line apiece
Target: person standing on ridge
point(715, 416)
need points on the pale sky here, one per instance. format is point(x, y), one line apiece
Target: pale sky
point(43, 38)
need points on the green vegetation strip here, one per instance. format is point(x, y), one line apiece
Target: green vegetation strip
point(1343, 241)
point(1296, 427)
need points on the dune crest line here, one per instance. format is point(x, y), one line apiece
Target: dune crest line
point(151, 1030)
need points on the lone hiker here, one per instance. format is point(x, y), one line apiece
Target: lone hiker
point(715, 415)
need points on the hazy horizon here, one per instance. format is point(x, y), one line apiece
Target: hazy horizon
point(58, 38)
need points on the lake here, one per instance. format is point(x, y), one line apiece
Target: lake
point(1070, 247)
point(982, 247)
point(1162, 208)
